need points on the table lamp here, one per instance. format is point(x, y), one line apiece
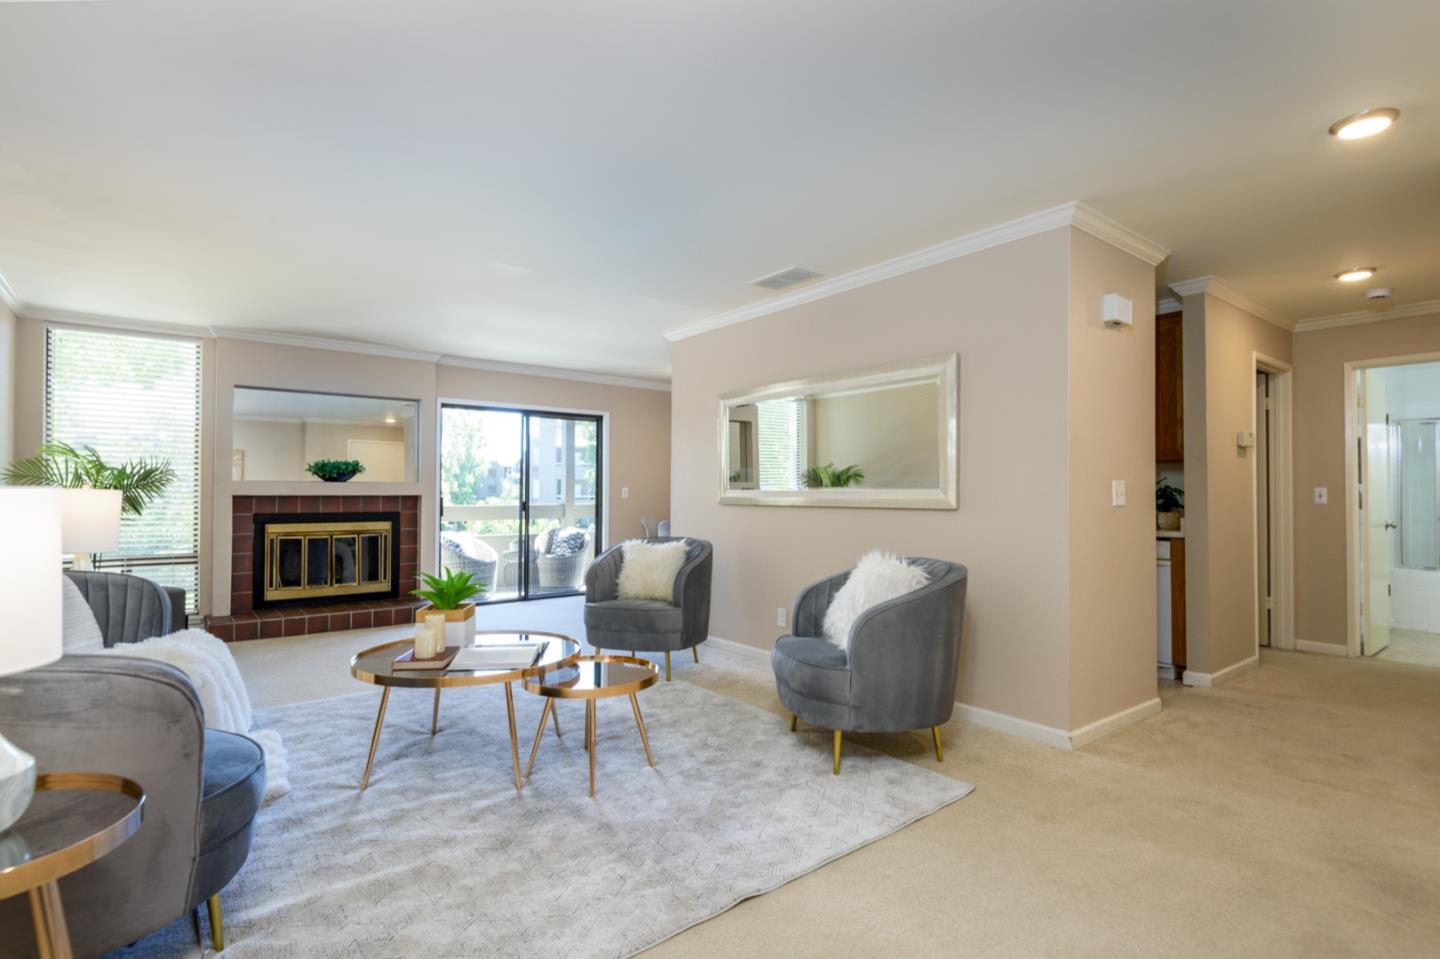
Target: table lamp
point(30, 595)
point(90, 523)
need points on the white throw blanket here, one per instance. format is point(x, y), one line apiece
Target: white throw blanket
point(223, 699)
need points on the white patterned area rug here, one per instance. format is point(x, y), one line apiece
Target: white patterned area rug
point(440, 857)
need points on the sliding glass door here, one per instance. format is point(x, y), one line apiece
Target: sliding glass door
point(520, 499)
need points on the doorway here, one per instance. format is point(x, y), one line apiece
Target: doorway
point(1393, 515)
point(1272, 527)
point(520, 498)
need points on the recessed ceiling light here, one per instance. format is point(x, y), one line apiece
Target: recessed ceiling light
point(1366, 123)
point(1355, 274)
point(391, 420)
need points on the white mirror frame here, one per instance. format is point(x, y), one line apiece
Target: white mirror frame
point(943, 369)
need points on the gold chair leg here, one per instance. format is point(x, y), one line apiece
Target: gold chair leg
point(217, 927)
point(794, 722)
point(514, 740)
point(539, 734)
point(644, 736)
point(375, 737)
point(695, 651)
point(939, 751)
point(435, 713)
point(667, 665)
point(837, 752)
point(590, 719)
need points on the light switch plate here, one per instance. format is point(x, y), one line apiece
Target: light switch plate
point(1322, 496)
point(1117, 492)
point(624, 492)
point(780, 616)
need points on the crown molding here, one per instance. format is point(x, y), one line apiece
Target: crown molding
point(120, 324)
point(1068, 214)
point(1359, 317)
point(7, 295)
point(322, 343)
point(1221, 290)
point(1167, 305)
point(554, 373)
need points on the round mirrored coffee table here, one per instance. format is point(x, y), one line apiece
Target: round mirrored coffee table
point(376, 665)
point(75, 819)
point(591, 678)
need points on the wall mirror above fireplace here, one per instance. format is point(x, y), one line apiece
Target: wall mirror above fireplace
point(878, 437)
point(277, 433)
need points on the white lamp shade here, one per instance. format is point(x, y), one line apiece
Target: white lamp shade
point(90, 520)
point(30, 584)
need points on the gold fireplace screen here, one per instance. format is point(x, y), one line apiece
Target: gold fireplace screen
point(315, 560)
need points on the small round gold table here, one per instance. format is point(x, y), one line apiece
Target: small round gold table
point(376, 666)
point(591, 678)
point(74, 819)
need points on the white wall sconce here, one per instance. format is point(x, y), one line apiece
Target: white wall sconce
point(1117, 311)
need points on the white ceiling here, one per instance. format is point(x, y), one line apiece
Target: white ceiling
point(556, 183)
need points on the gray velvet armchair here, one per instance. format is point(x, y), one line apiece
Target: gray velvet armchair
point(899, 672)
point(142, 720)
point(649, 625)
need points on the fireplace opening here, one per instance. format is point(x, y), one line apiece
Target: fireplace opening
point(313, 559)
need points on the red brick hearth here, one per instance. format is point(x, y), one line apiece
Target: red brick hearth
point(244, 622)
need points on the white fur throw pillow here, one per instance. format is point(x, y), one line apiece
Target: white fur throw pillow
point(81, 634)
point(876, 578)
point(648, 570)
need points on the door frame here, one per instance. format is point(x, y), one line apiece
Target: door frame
point(1282, 502)
point(1352, 488)
point(509, 406)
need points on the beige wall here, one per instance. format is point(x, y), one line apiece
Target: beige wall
point(1221, 341)
point(1006, 312)
point(274, 450)
point(893, 434)
point(1320, 358)
point(7, 383)
point(1111, 413)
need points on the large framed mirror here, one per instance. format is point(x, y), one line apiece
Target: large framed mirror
point(277, 433)
point(879, 437)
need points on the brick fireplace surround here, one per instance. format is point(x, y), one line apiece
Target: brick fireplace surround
point(245, 622)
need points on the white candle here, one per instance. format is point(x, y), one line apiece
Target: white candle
point(424, 642)
point(436, 624)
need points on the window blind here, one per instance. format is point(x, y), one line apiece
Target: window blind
point(781, 440)
point(134, 396)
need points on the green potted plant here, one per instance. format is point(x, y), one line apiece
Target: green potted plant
point(819, 477)
point(140, 482)
point(335, 471)
point(450, 593)
point(1169, 505)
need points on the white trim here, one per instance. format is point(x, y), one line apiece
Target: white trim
point(1221, 290)
point(1282, 499)
point(1324, 649)
point(554, 373)
point(1167, 305)
point(1423, 308)
point(321, 343)
point(1013, 725)
point(117, 323)
point(1068, 214)
point(1206, 680)
point(1118, 720)
point(8, 297)
point(743, 650)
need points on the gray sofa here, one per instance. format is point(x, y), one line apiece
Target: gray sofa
point(899, 673)
point(142, 720)
point(645, 624)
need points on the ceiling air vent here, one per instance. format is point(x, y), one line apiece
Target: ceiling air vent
point(786, 278)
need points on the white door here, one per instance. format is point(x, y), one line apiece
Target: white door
point(384, 460)
point(1377, 517)
point(1264, 565)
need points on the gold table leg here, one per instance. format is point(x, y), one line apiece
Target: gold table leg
point(554, 717)
point(539, 734)
point(52, 937)
point(217, 927)
point(644, 737)
point(590, 732)
point(514, 741)
point(435, 713)
point(837, 752)
point(667, 665)
point(939, 752)
point(375, 737)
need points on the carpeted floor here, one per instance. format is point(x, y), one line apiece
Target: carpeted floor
point(1292, 812)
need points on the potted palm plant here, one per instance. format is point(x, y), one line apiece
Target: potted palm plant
point(821, 477)
point(1169, 505)
point(450, 593)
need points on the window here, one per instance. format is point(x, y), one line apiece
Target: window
point(133, 396)
point(781, 428)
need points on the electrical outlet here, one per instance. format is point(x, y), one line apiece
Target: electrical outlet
point(1117, 492)
point(1322, 496)
point(781, 616)
point(624, 492)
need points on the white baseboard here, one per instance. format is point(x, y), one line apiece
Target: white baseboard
point(1324, 649)
point(1000, 722)
point(1162, 671)
point(1107, 725)
point(1206, 680)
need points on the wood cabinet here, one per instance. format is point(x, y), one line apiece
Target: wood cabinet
point(1169, 390)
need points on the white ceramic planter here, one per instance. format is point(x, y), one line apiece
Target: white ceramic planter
point(459, 623)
